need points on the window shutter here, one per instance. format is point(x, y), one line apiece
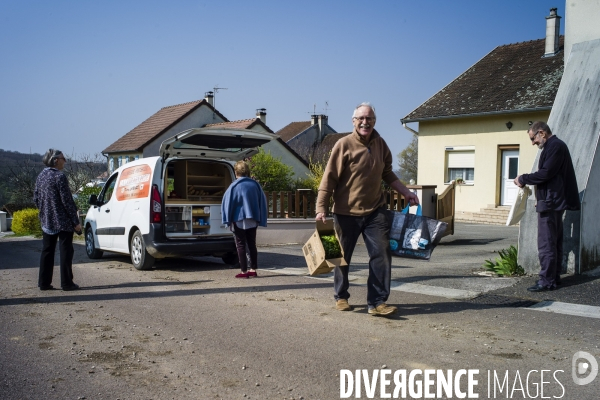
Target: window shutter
point(461, 159)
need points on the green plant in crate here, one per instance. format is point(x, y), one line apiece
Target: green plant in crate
point(26, 222)
point(506, 264)
point(331, 246)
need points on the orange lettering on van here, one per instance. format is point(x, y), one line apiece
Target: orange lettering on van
point(134, 183)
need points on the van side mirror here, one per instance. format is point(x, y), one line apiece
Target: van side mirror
point(93, 200)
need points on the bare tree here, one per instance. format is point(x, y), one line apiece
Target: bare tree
point(84, 168)
point(19, 177)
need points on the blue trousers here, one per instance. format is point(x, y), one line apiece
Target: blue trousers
point(550, 247)
point(375, 230)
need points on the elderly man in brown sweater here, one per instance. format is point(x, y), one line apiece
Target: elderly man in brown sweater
point(353, 177)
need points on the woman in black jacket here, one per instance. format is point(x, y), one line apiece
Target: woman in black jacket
point(59, 219)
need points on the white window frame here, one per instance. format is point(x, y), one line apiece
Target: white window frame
point(460, 157)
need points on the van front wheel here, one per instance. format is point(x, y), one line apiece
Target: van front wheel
point(139, 255)
point(90, 245)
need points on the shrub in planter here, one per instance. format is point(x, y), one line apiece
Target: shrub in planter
point(27, 222)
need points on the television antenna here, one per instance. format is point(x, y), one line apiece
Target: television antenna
point(215, 91)
point(314, 112)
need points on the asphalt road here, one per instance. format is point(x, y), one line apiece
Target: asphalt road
point(189, 330)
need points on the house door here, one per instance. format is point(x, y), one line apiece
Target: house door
point(510, 168)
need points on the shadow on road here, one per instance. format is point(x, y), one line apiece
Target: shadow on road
point(81, 296)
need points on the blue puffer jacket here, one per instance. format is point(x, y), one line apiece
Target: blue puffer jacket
point(244, 199)
point(53, 198)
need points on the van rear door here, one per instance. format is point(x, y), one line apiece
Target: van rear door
point(213, 143)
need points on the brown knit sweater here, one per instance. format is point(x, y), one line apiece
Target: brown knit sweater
point(353, 175)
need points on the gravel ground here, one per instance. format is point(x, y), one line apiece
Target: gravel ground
point(189, 330)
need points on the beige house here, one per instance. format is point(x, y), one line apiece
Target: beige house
point(145, 139)
point(474, 129)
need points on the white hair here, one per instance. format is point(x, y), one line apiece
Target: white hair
point(365, 104)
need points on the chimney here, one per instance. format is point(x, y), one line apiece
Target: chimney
point(210, 98)
point(313, 119)
point(262, 114)
point(552, 33)
point(322, 120)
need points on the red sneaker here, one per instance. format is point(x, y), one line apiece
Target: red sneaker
point(242, 275)
point(252, 273)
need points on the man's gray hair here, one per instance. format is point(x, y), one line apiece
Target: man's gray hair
point(540, 126)
point(365, 104)
point(51, 156)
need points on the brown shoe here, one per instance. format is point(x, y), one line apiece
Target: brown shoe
point(383, 310)
point(342, 305)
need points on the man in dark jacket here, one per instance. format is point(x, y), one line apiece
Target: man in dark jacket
point(556, 191)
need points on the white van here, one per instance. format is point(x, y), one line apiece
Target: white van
point(170, 205)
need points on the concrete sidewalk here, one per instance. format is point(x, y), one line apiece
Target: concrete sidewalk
point(455, 270)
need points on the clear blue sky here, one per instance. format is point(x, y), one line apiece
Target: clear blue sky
point(77, 75)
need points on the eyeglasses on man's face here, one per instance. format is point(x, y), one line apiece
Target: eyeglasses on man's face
point(532, 138)
point(367, 119)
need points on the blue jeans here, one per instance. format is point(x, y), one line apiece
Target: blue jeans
point(375, 229)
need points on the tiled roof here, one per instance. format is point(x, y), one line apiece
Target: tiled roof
point(165, 118)
point(292, 129)
point(512, 77)
point(331, 139)
point(287, 146)
point(240, 124)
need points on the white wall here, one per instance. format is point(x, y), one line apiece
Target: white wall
point(581, 23)
point(278, 150)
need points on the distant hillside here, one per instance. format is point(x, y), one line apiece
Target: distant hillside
point(18, 172)
point(8, 156)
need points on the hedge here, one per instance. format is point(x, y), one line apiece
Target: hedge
point(26, 222)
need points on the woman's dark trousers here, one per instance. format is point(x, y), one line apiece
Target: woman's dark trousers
point(65, 240)
point(245, 241)
point(375, 229)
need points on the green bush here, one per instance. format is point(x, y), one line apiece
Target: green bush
point(331, 246)
point(506, 264)
point(83, 196)
point(27, 222)
point(272, 173)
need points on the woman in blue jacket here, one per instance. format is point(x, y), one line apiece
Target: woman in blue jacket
point(244, 208)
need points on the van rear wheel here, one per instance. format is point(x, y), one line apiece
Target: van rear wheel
point(139, 255)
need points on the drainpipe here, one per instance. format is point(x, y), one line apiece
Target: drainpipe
point(409, 128)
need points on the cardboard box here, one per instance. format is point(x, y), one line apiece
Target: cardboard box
point(314, 253)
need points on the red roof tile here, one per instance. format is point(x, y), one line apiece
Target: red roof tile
point(161, 121)
point(240, 124)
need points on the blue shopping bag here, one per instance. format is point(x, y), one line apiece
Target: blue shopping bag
point(414, 235)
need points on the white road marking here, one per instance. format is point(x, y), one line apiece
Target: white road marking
point(456, 294)
point(567, 308)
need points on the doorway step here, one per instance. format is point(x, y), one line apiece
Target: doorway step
point(491, 215)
